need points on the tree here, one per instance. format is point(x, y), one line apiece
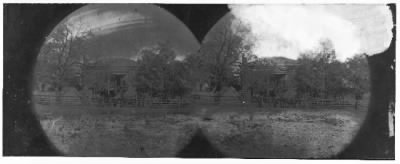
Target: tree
point(320, 74)
point(197, 69)
point(244, 64)
point(246, 57)
point(308, 78)
point(221, 52)
point(61, 57)
point(159, 74)
point(336, 86)
point(358, 76)
point(178, 83)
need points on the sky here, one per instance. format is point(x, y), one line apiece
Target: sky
point(289, 30)
point(122, 30)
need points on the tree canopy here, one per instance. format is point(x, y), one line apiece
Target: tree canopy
point(320, 74)
point(62, 55)
point(159, 74)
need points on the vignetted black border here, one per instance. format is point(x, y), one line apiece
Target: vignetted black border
point(26, 25)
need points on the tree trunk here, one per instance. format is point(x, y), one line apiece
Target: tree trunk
point(218, 88)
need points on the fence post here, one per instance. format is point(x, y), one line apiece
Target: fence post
point(136, 101)
point(356, 105)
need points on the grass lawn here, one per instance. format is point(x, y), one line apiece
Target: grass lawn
point(236, 130)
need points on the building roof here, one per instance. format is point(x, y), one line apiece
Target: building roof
point(281, 65)
point(118, 65)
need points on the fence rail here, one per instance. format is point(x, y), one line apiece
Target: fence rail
point(102, 101)
point(195, 99)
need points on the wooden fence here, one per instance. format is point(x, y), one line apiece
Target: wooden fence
point(195, 99)
point(50, 99)
point(296, 103)
point(101, 101)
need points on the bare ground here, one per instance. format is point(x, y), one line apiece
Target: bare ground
point(236, 131)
